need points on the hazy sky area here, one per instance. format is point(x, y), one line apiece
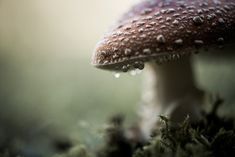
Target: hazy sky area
point(46, 77)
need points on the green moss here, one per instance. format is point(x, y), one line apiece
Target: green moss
point(213, 136)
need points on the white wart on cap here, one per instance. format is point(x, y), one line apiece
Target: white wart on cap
point(165, 30)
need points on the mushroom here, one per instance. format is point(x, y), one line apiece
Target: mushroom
point(163, 35)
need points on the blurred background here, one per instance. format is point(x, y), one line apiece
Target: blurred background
point(49, 90)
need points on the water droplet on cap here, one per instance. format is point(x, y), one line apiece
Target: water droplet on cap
point(168, 19)
point(175, 22)
point(220, 41)
point(198, 20)
point(127, 51)
point(116, 74)
point(147, 51)
point(221, 21)
point(161, 39)
point(170, 10)
point(133, 72)
point(125, 68)
point(138, 65)
point(198, 42)
point(179, 41)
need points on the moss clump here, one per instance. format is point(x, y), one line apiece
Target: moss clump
point(213, 136)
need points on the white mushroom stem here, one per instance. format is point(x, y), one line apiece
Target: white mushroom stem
point(169, 89)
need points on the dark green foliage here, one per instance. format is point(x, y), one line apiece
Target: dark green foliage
point(116, 144)
point(213, 136)
point(62, 145)
point(224, 143)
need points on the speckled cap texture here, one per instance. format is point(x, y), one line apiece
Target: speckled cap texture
point(165, 30)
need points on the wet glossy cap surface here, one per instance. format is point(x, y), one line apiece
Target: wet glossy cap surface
point(165, 30)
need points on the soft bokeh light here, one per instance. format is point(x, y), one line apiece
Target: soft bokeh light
point(46, 76)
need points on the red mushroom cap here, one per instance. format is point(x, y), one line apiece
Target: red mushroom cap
point(164, 30)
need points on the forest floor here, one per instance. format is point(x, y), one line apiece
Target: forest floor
point(213, 136)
